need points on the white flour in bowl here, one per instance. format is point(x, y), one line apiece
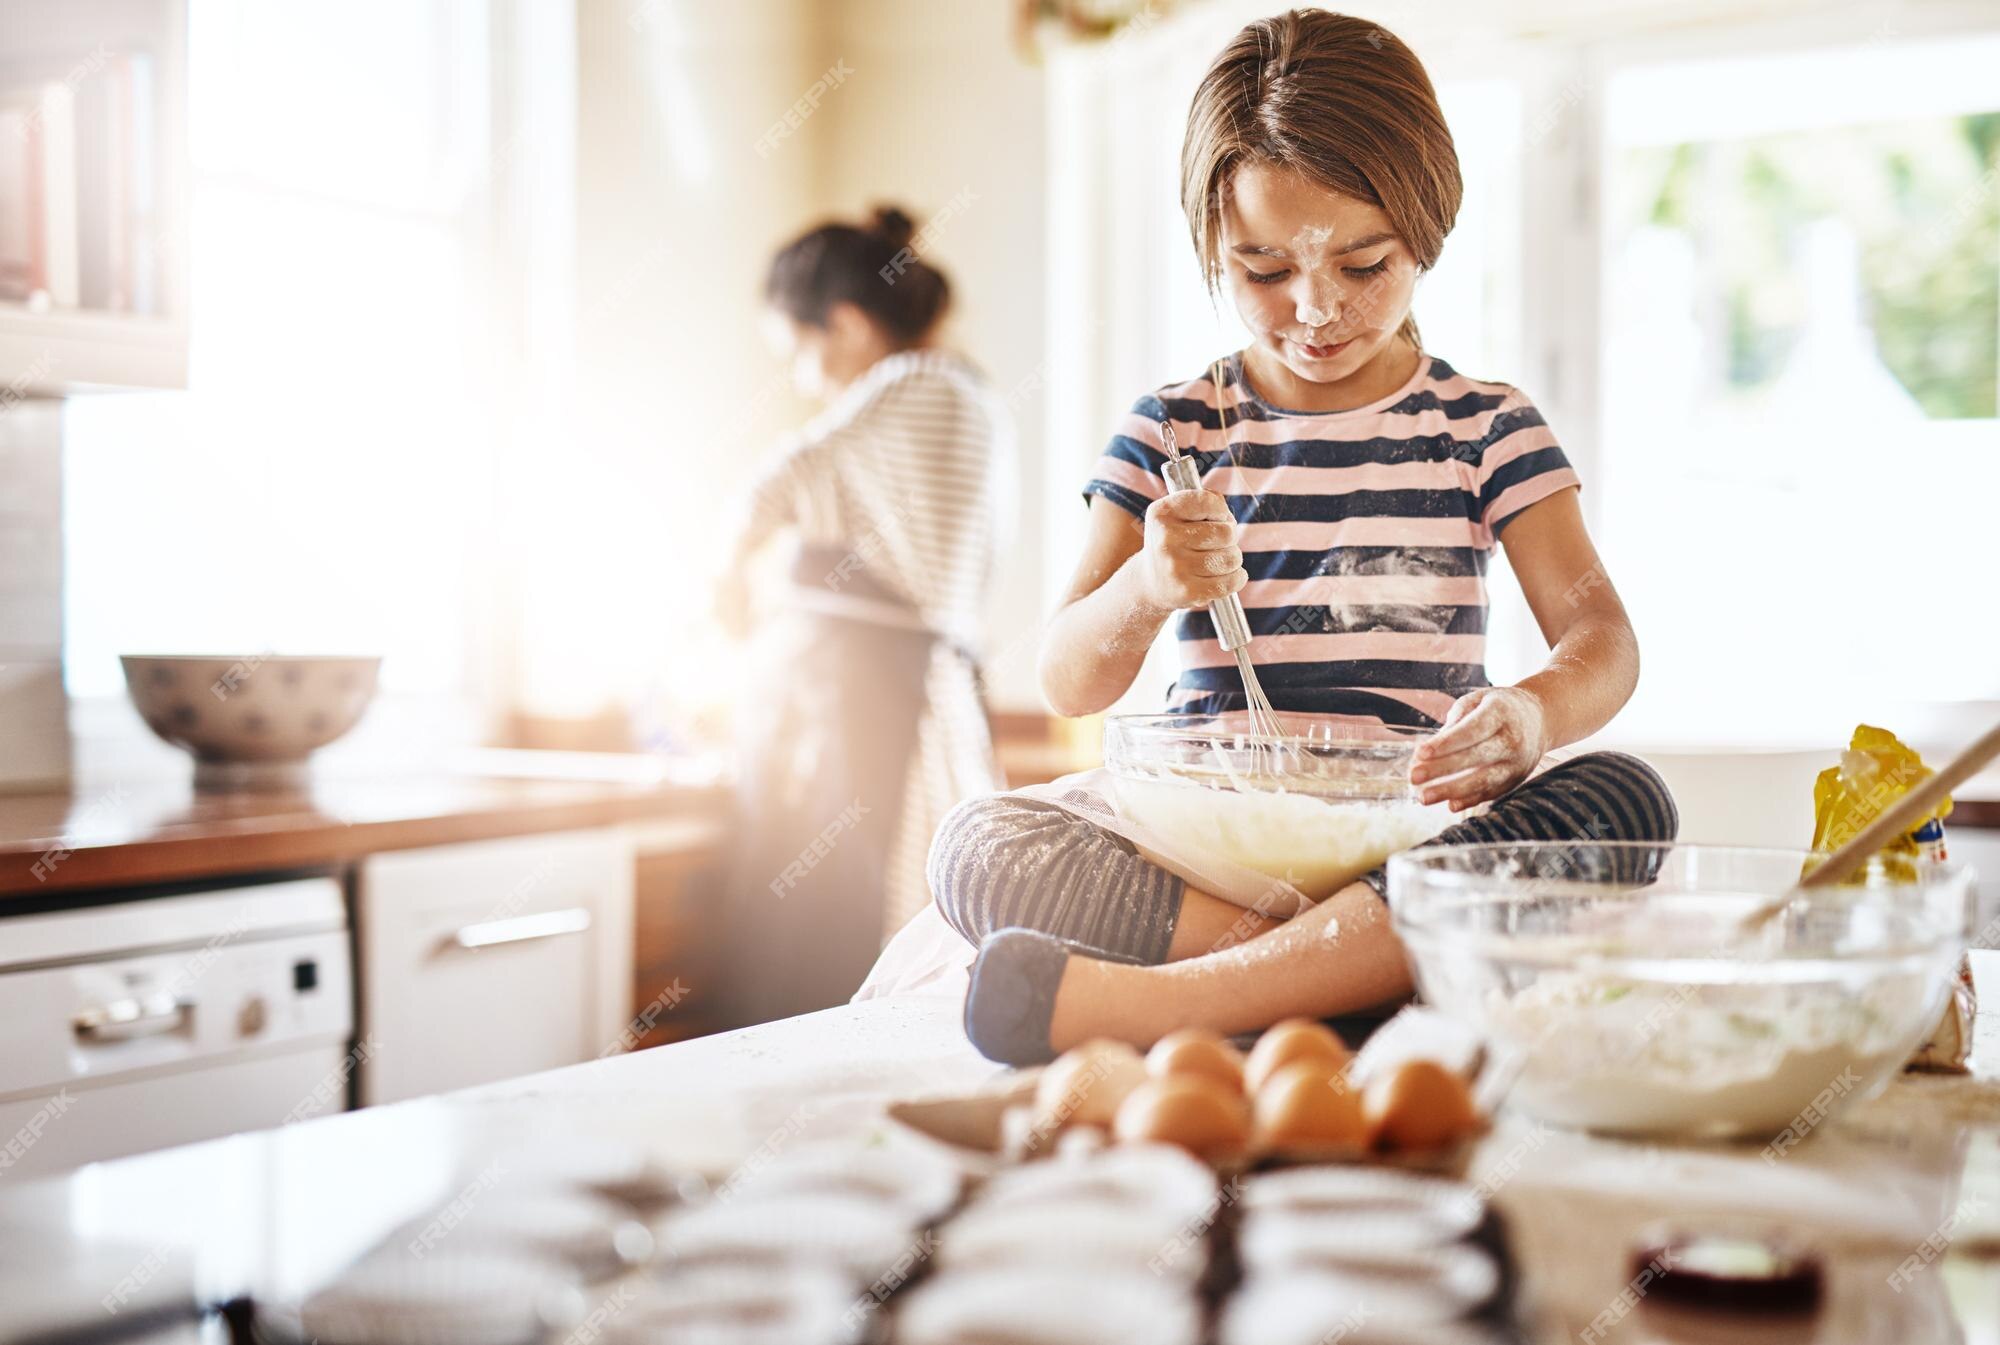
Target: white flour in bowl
point(1609, 1054)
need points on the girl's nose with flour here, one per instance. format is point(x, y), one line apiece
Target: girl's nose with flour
point(1317, 310)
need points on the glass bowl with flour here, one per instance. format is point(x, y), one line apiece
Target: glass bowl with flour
point(1621, 984)
point(1317, 807)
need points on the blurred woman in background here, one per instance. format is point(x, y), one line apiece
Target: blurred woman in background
point(866, 721)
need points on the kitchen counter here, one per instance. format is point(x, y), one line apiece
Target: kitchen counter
point(273, 1213)
point(277, 1212)
point(119, 833)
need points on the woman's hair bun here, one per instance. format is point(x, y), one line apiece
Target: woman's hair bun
point(893, 225)
point(869, 263)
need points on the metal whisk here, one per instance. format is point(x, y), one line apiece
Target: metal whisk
point(1232, 627)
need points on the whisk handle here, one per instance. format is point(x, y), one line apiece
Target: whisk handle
point(1182, 474)
point(1232, 627)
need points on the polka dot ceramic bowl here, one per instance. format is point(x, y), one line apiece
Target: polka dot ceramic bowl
point(251, 720)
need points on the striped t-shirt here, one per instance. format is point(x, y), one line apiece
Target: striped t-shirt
point(1364, 532)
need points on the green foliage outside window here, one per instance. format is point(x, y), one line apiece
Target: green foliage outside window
point(1923, 200)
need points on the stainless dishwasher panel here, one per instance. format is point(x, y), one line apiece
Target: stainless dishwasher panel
point(165, 1020)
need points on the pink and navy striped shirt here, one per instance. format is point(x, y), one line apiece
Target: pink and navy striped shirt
point(1365, 534)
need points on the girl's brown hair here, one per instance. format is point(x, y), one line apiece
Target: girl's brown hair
point(1340, 101)
point(873, 266)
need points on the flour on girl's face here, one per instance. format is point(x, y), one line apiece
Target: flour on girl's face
point(1309, 249)
point(1309, 245)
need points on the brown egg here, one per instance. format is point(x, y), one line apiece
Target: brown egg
point(1085, 1085)
point(1189, 1110)
point(1294, 1040)
point(1307, 1104)
point(1419, 1105)
point(1195, 1050)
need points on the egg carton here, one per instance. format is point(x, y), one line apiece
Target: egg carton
point(1347, 1296)
point(476, 1287)
point(989, 1128)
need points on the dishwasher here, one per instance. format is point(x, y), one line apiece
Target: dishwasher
point(139, 1024)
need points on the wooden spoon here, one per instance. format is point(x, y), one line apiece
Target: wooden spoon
point(1898, 819)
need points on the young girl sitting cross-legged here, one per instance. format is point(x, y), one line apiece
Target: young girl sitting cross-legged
point(1345, 470)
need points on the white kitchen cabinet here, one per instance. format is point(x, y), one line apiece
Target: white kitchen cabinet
point(491, 959)
point(93, 196)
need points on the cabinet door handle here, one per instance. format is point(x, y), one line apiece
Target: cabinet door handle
point(124, 1019)
point(520, 928)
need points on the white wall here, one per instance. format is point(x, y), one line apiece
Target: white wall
point(33, 726)
point(675, 395)
point(941, 115)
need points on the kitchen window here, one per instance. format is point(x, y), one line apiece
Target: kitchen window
point(324, 484)
point(1800, 302)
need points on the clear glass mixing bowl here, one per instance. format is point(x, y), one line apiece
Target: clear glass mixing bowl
point(1316, 808)
point(1621, 983)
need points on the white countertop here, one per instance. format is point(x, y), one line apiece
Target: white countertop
point(280, 1210)
point(1865, 1189)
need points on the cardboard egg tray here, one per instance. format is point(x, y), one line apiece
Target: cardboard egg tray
point(973, 1125)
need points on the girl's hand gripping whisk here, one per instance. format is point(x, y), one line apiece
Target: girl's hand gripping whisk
point(1206, 542)
point(1190, 553)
